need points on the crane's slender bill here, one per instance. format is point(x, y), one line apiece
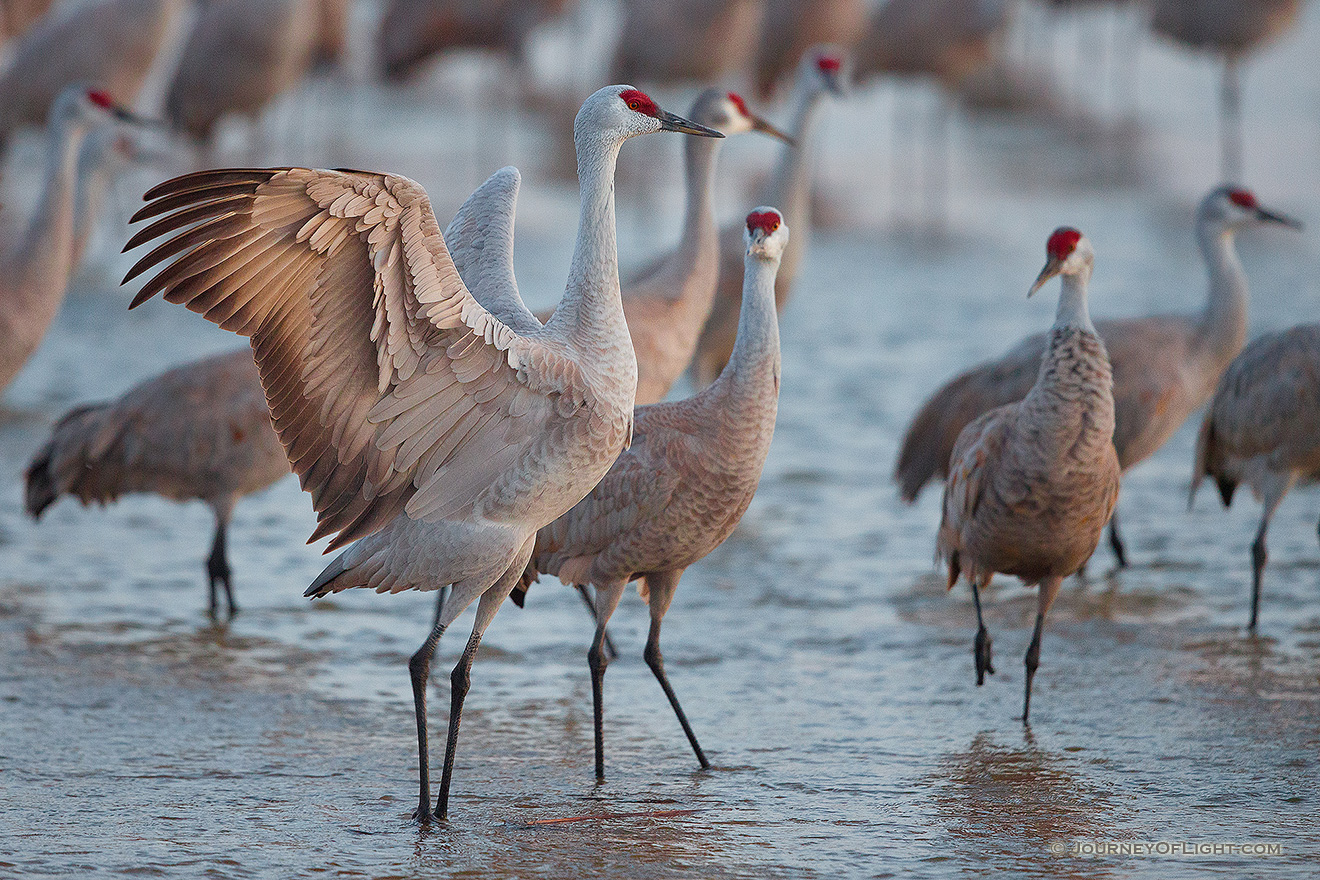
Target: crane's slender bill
point(1282, 219)
point(761, 125)
point(1052, 268)
point(674, 122)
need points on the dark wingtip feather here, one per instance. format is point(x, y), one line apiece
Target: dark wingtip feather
point(39, 484)
point(1226, 489)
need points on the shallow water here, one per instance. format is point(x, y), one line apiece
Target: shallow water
point(825, 668)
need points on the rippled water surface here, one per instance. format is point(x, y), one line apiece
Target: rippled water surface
point(825, 668)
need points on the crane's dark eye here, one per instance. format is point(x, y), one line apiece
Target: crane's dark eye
point(635, 105)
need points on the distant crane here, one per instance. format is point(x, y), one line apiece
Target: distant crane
point(201, 431)
point(1231, 29)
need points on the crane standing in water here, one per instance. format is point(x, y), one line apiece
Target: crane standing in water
point(437, 427)
point(1032, 484)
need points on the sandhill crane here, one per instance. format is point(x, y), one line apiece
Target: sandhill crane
point(1263, 428)
point(716, 37)
point(201, 431)
point(330, 44)
point(413, 31)
point(1165, 366)
point(947, 40)
point(240, 55)
point(790, 27)
point(668, 303)
point(16, 16)
point(35, 270)
point(1230, 29)
point(109, 44)
point(437, 428)
point(680, 489)
point(1032, 483)
point(823, 70)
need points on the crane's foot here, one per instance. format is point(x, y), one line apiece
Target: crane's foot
point(423, 815)
point(982, 652)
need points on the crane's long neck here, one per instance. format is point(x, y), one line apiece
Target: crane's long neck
point(751, 377)
point(1073, 310)
point(39, 270)
point(591, 311)
point(790, 187)
point(700, 240)
point(93, 180)
point(1222, 330)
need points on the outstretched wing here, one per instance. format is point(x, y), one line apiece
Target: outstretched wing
point(391, 388)
point(480, 240)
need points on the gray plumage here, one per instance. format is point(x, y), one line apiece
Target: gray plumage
point(239, 56)
point(681, 488)
point(201, 431)
point(790, 27)
point(1263, 429)
point(822, 70)
point(674, 41)
point(945, 39)
point(1032, 484)
point(412, 32)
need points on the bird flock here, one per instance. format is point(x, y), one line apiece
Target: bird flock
point(452, 440)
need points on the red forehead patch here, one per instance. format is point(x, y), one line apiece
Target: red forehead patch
point(829, 63)
point(739, 103)
point(766, 221)
point(1242, 198)
point(1062, 242)
point(100, 99)
point(640, 102)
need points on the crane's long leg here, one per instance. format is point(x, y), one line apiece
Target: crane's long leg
point(607, 599)
point(1230, 110)
point(1116, 541)
point(1049, 588)
point(461, 677)
point(217, 564)
point(1274, 492)
point(661, 587)
point(982, 649)
point(585, 593)
point(419, 669)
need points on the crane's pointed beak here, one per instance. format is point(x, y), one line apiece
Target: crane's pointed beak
point(834, 83)
point(1267, 216)
point(759, 124)
point(1052, 267)
point(123, 114)
point(673, 122)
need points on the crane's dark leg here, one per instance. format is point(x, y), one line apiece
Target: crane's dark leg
point(461, 677)
point(1230, 110)
point(607, 599)
point(1049, 588)
point(585, 593)
point(1259, 552)
point(217, 564)
point(982, 649)
point(441, 596)
point(1116, 541)
point(419, 669)
point(661, 587)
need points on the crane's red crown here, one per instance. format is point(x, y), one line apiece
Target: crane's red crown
point(829, 63)
point(640, 102)
point(1242, 198)
point(1062, 243)
point(739, 103)
point(100, 98)
point(766, 221)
